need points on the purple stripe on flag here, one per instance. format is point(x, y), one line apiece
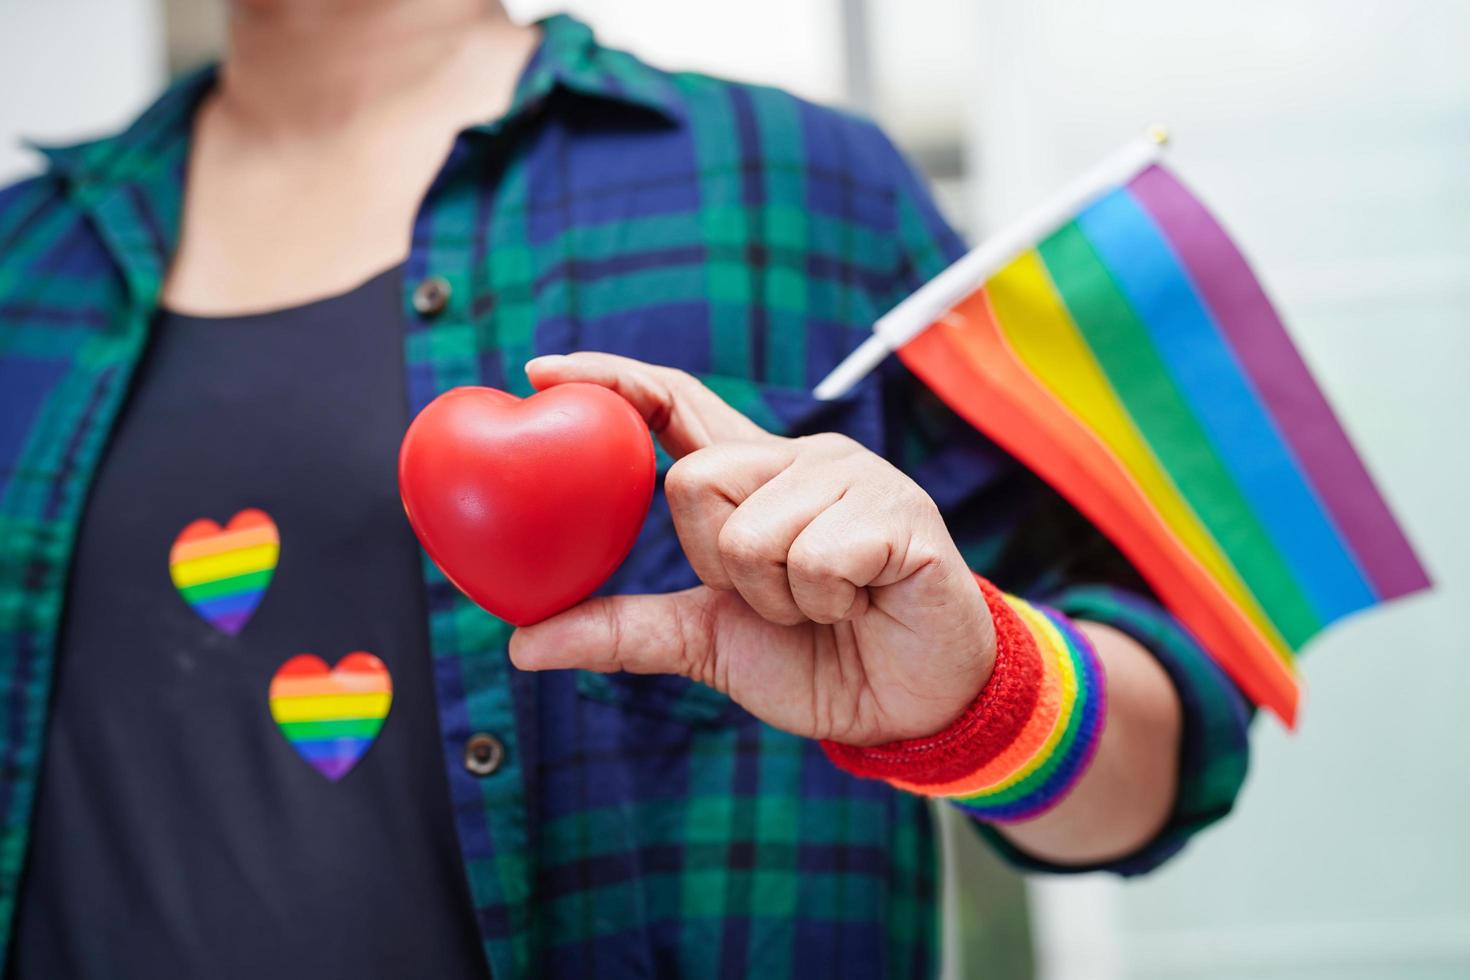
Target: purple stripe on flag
point(1260, 341)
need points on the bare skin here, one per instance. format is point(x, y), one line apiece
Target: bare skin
point(331, 118)
point(834, 602)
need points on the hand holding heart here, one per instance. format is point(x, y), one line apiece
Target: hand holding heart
point(834, 604)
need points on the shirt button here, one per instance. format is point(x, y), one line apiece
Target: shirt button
point(483, 754)
point(431, 296)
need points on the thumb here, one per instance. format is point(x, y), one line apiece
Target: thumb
point(641, 634)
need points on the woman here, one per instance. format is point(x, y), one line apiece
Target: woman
point(249, 731)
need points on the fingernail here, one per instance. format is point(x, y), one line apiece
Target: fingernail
point(546, 361)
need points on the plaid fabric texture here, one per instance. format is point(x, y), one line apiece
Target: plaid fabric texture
point(640, 825)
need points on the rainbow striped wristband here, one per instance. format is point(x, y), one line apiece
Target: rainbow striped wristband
point(1025, 740)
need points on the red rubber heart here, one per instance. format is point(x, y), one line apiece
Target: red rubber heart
point(527, 505)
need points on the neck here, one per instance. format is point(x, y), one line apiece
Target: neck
point(308, 65)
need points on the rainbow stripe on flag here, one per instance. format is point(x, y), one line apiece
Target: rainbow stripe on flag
point(1118, 344)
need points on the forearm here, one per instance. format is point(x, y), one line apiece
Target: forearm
point(1127, 793)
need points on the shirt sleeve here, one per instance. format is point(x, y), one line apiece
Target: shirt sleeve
point(1018, 532)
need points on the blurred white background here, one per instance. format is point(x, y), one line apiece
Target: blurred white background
point(1333, 138)
point(73, 67)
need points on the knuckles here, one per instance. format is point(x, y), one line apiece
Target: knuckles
point(685, 478)
point(833, 444)
point(895, 520)
point(740, 545)
point(695, 475)
point(815, 564)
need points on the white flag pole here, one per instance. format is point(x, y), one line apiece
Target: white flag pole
point(932, 300)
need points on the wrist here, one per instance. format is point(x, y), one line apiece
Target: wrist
point(1024, 740)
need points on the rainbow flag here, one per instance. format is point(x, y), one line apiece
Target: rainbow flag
point(1117, 343)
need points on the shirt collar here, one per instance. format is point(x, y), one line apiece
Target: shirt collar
point(569, 58)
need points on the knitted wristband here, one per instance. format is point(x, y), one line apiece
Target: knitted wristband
point(1025, 739)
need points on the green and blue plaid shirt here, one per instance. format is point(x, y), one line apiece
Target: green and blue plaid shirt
point(638, 825)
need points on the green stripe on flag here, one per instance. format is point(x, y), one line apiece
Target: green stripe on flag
point(1127, 355)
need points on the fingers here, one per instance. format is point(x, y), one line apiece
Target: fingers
point(754, 541)
point(705, 488)
point(835, 558)
point(642, 634)
point(681, 412)
point(798, 528)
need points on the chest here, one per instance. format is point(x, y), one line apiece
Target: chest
point(271, 227)
point(756, 273)
point(668, 248)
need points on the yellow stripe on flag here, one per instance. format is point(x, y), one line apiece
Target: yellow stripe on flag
point(1030, 313)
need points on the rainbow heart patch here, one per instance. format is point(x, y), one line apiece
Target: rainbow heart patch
point(331, 715)
point(223, 572)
